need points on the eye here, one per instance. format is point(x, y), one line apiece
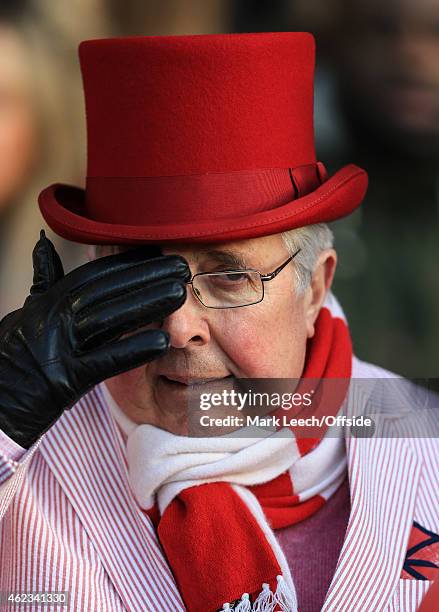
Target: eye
point(235, 280)
point(235, 277)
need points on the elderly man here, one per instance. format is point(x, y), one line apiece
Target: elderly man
point(201, 172)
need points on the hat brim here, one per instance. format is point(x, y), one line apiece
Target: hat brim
point(63, 208)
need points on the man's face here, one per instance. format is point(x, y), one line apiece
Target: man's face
point(264, 340)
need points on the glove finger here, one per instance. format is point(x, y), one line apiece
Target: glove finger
point(118, 262)
point(123, 355)
point(121, 282)
point(128, 312)
point(48, 268)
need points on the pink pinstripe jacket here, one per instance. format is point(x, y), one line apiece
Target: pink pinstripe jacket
point(69, 522)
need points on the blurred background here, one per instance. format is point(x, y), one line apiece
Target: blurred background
point(376, 105)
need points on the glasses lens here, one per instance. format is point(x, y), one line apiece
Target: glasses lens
point(228, 289)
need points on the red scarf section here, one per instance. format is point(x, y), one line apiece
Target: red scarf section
point(213, 543)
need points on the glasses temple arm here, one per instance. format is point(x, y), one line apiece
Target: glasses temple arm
point(266, 277)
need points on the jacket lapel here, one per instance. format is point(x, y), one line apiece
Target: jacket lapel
point(384, 475)
point(85, 453)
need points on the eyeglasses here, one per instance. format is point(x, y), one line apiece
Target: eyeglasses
point(233, 288)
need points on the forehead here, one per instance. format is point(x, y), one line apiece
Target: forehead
point(252, 253)
point(238, 252)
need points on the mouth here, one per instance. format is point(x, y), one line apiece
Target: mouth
point(174, 381)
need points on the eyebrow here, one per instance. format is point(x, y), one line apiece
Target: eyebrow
point(226, 257)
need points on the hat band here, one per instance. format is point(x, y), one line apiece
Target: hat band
point(181, 199)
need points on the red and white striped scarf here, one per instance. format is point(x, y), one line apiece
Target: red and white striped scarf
point(215, 501)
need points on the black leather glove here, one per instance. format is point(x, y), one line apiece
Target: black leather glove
point(66, 337)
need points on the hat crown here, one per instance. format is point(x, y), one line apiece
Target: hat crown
point(199, 139)
point(182, 105)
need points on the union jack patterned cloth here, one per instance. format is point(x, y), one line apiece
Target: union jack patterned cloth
point(422, 558)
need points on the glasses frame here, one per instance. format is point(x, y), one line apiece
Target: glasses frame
point(265, 278)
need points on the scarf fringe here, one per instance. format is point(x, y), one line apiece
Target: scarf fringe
point(267, 601)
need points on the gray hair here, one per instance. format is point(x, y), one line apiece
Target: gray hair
point(311, 239)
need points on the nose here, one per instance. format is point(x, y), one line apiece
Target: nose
point(188, 326)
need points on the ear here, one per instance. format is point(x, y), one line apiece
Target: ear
point(320, 285)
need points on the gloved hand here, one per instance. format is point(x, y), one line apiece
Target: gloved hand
point(66, 337)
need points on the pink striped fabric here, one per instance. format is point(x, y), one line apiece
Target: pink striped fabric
point(69, 522)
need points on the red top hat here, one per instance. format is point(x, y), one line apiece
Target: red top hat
point(199, 139)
